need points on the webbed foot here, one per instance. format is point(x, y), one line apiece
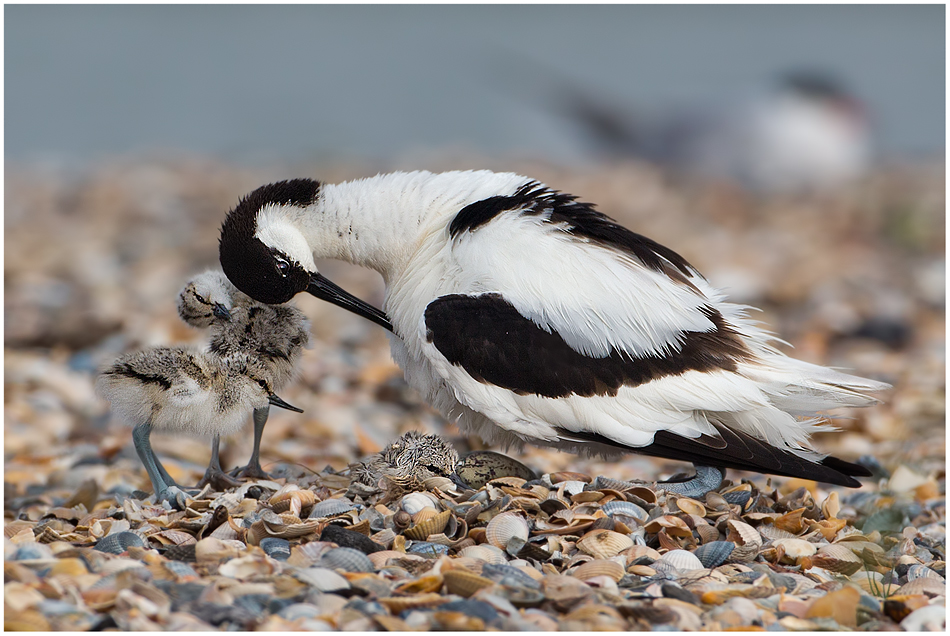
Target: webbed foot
point(251, 471)
point(218, 479)
point(706, 479)
point(175, 496)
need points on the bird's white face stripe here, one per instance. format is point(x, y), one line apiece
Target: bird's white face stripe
point(277, 231)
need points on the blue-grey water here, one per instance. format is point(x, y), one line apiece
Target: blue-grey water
point(298, 81)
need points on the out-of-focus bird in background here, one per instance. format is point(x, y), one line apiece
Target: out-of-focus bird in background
point(805, 131)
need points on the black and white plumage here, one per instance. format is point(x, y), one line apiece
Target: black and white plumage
point(182, 390)
point(270, 337)
point(528, 316)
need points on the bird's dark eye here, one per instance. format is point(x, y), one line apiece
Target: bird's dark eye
point(282, 266)
point(200, 299)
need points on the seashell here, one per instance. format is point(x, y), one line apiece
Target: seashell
point(32, 550)
point(707, 533)
point(603, 544)
point(924, 585)
point(486, 552)
point(624, 509)
point(572, 487)
point(796, 548)
point(379, 559)
point(276, 548)
point(428, 525)
point(681, 560)
point(739, 496)
point(918, 571)
point(176, 571)
point(384, 537)
point(691, 506)
point(331, 508)
point(414, 502)
point(464, 583)
point(837, 558)
point(742, 534)
point(214, 550)
point(322, 579)
point(181, 553)
point(674, 526)
point(587, 496)
point(599, 567)
point(553, 503)
point(831, 506)
point(791, 522)
point(428, 583)
point(557, 478)
point(425, 548)
point(714, 553)
point(347, 559)
point(505, 527)
point(399, 604)
point(119, 542)
point(247, 567)
point(772, 533)
point(423, 515)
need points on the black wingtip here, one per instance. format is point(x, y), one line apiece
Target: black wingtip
point(847, 468)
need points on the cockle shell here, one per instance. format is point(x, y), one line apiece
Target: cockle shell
point(119, 542)
point(691, 506)
point(681, 560)
point(837, 558)
point(428, 525)
point(599, 567)
point(624, 509)
point(504, 527)
point(714, 553)
point(486, 552)
point(742, 534)
point(791, 522)
point(347, 559)
point(214, 550)
point(331, 508)
point(603, 544)
point(465, 583)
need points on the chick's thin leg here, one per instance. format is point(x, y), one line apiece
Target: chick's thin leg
point(156, 472)
point(214, 475)
point(253, 469)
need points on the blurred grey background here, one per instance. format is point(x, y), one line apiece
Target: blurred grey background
point(251, 83)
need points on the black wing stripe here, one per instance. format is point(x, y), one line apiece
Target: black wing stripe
point(741, 452)
point(486, 336)
point(580, 219)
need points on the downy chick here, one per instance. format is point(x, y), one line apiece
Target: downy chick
point(405, 463)
point(271, 336)
point(183, 390)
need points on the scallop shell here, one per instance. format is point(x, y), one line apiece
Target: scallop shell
point(772, 533)
point(714, 553)
point(424, 515)
point(738, 496)
point(331, 508)
point(553, 503)
point(465, 583)
point(428, 526)
point(347, 559)
point(380, 558)
point(559, 477)
point(504, 527)
point(119, 542)
point(214, 550)
point(487, 553)
point(439, 483)
point(384, 537)
point(707, 533)
point(837, 558)
point(603, 544)
point(681, 560)
point(599, 567)
point(414, 502)
point(924, 585)
point(918, 571)
point(624, 509)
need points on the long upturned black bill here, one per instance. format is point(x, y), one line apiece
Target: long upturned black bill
point(276, 401)
point(322, 288)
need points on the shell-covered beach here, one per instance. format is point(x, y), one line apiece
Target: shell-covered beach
point(853, 279)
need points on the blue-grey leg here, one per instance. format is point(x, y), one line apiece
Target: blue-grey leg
point(156, 472)
point(253, 469)
point(218, 479)
point(706, 479)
